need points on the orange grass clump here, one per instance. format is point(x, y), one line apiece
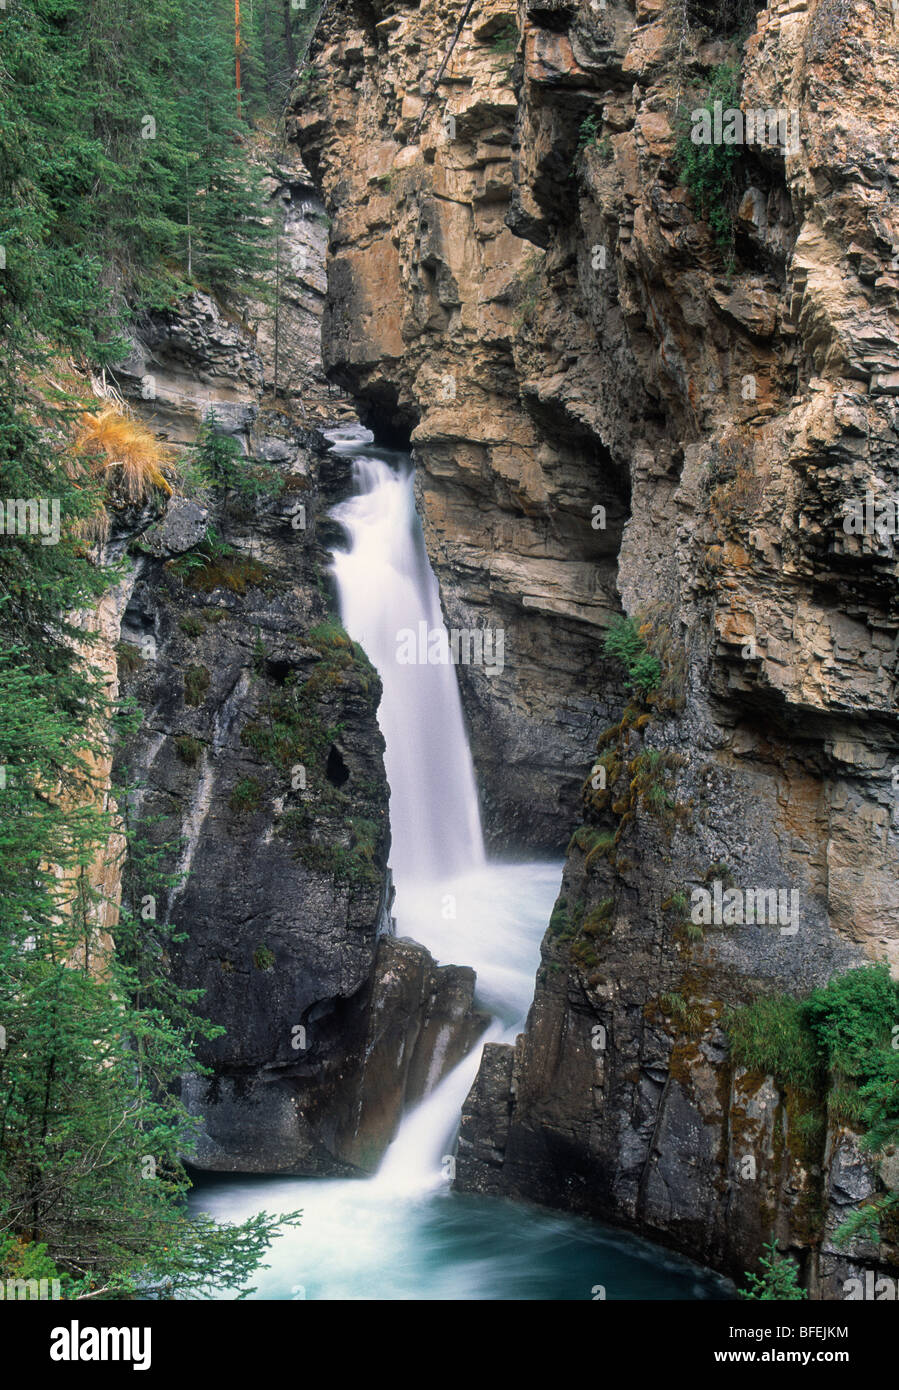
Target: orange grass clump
point(127, 445)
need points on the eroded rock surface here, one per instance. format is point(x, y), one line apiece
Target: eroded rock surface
point(519, 279)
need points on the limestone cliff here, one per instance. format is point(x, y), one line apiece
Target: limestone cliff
point(606, 414)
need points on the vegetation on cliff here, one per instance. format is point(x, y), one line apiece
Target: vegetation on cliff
point(837, 1049)
point(127, 178)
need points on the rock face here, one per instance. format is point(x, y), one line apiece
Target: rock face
point(258, 764)
point(606, 416)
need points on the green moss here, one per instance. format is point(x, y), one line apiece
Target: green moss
point(188, 749)
point(598, 922)
point(559, 920)
point(593, 843)
point(196, 683)
point(263, 958)
point(246, 796)
point(129, 658)
point(233, 572)
point(191, 625)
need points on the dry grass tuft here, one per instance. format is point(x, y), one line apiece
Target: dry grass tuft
point(114, 440)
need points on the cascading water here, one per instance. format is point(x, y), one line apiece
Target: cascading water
point(385, 586)
point(403, 1234)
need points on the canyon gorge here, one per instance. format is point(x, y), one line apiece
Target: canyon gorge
point(488, 256)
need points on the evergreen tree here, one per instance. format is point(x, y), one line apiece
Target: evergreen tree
point(126, 177)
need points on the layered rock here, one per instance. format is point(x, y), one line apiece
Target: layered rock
point(520, 280)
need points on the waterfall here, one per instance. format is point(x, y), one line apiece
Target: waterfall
point(403, 1234)
point(386, 586)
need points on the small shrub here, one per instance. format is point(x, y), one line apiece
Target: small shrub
point(588, 133)
point(263, 958)
point(708, 172)
point(778, 1280)
point(188, 749)
point(218, 464)
point(624, 642)
point(246, 796)
point(196, 683)
point(191, 625)
point(505, 40)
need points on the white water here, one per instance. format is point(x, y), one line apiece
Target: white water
point(464, 910)
point(401, 1234)
point(385, 585)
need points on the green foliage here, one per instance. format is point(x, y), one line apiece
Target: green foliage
point(92, 196)
point(778, 1281)
point(505, 40)
point(864, 1223)
point(588, 133)
point(677, 903)
point(191, 625)
point(246, 796)
point(263, 958)
point(852, 1019)
point(592, 843)
point(139, 158)
point(686, 1013)
point(196, 683)
point(624, 641)
point(219, 466)
point(91, 1130)
point(188, 749)
point(844, 1029)
point(772, 1036)
point(709, 171)
point(598, 920)
point(559, 920)
point(275, 40)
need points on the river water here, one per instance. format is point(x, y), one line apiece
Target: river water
point(403, 1234)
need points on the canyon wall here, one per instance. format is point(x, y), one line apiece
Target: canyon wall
point(611, 411)
point(256, 775)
